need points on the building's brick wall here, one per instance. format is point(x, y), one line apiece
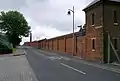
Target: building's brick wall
point(80, 46)
point(98, 52)
point(110, 27)
point(93, 32)
point(113, 30)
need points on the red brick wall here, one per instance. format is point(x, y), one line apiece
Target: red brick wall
point(61, 45)
point(43, 44)
point(34, 44)
point(47, 45)
point(69, 45)
point(39, 44)
point(26, 44)
point(55, 45)
point(82, 47)
point(79, 47)
point(50, 45)
point(98, 53)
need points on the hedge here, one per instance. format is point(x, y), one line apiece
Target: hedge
point(5, 51)
point(5, 47)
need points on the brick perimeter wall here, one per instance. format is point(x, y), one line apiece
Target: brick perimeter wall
point(69, 45)
point(82, 46)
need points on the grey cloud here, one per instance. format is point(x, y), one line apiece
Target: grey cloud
point(49, 13)
point(45, 12)
point(11, 4)
point(17, 4)
point(63, 25)
point(52, 13)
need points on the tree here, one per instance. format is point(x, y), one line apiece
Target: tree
point(15, 26)
point(14, 38)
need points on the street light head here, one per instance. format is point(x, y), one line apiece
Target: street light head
point(69, 13)
point(80, 26)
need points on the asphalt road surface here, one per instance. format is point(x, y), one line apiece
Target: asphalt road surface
point(56, 67)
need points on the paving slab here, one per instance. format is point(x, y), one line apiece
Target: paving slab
point(16, 68)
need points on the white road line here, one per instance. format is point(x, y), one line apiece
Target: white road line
point(39, 53)
point(73, 68)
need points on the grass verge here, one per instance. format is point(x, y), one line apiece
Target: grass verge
point(14, 50)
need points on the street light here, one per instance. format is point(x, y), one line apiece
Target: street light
point(79, 26)
point(69, 13)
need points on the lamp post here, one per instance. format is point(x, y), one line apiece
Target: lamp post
point(79, 26)
point(73, 43)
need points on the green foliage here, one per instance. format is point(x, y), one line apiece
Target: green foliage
point(5, 46)
point(5, 51)
point(14, 21)
point(14, 39)
point(15, 26)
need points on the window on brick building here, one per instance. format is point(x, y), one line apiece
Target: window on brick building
point(115, 16)
point(93, 19)
point(93, 44)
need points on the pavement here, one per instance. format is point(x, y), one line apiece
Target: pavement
point(16, 68)
point(49, 66)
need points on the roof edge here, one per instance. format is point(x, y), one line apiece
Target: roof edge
point(99, 1)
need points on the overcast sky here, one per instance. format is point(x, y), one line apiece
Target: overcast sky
point(48, 18)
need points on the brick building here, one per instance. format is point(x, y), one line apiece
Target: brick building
point(102, 23)
point(102, 20)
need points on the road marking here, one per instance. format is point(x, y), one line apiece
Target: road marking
point(100, 66)
point(39, 53)
point(54, 58)
point(73, 68)
point(65, 58)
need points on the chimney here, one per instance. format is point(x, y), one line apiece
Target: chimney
point(30, 36)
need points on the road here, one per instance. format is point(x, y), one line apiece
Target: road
point(56, 67)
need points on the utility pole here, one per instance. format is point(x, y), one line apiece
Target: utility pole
point(73, 42)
